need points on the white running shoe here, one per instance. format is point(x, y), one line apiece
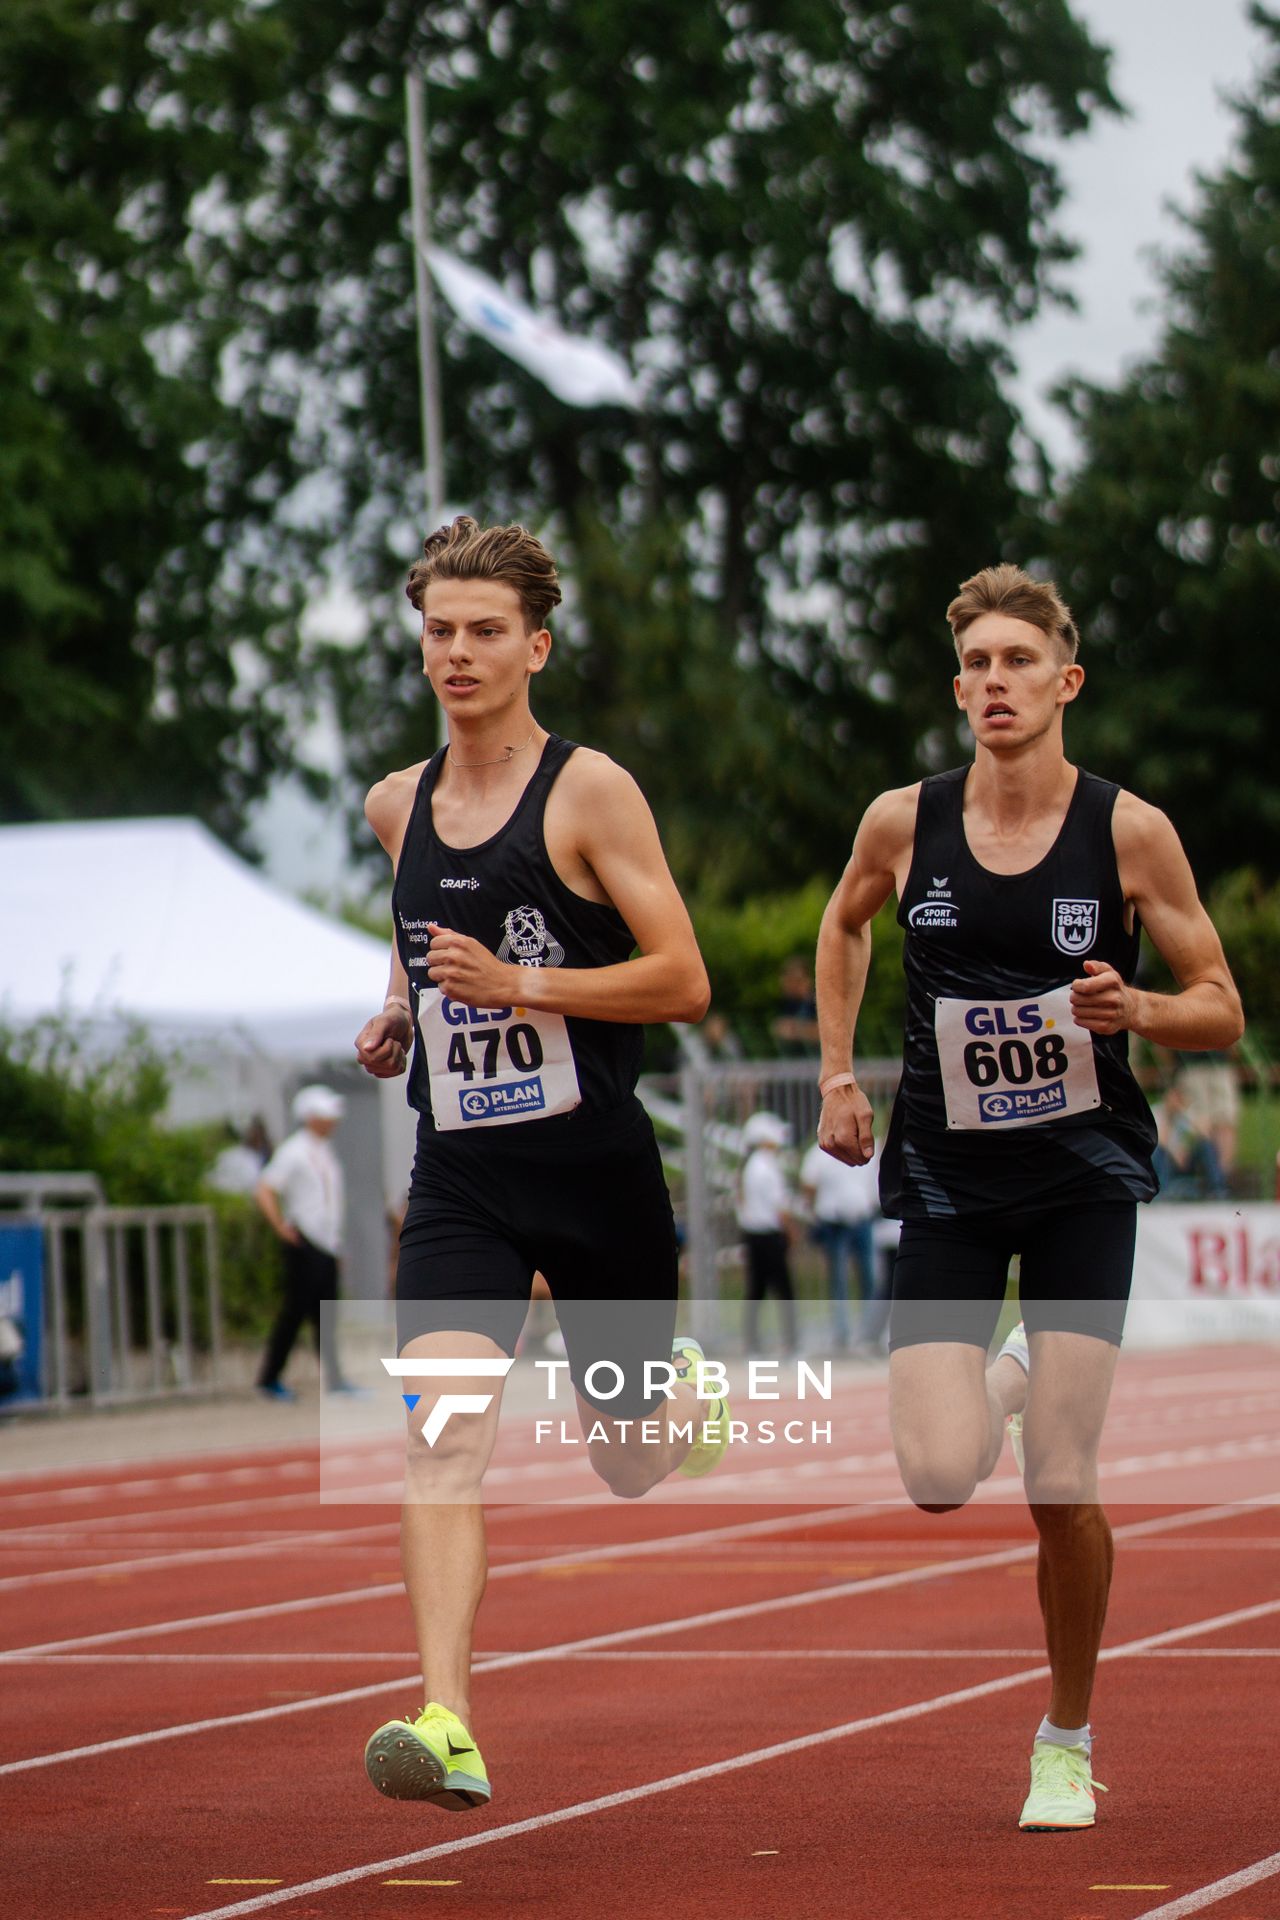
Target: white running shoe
point(1016, 1348)
point(1062, 1790)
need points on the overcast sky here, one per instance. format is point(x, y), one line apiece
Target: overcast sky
point(1175, 61)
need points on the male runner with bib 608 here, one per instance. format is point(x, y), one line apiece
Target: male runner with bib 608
point(1022, 882)
point(528, 873)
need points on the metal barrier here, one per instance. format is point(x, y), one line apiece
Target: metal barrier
point(707, 1105)
point(132, 1308)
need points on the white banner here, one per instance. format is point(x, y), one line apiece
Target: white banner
point(582, 373)
point(1205, 1271)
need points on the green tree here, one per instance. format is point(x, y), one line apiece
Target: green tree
point(129, 486)
point(811, 223)
point(1167, 539)
point(65, 1107)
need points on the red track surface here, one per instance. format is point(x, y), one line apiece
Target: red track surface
point(136, 1601)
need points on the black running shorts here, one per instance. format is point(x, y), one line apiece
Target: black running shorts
point(1076, 1273)
point(587, 1206)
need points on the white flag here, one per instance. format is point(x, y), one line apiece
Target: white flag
point(580, 372)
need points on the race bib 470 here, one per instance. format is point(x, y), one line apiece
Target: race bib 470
point(1014, 1063)
point(495, 1066)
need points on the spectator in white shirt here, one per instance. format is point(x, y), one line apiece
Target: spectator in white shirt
point(763, 1220)
point(845, 1201)
point(301, 1195)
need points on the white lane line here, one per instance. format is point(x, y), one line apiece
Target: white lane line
point(16, 1547)
point(394, 1589)
point(651, 1653)
point(1216, 1890)
point(192, 1557)
point(736, 1763)
point(266, 1463)
point(147, 1516)
point(291, 1659)
point(655, 1630)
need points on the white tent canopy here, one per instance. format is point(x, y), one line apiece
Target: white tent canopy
point(115, 921)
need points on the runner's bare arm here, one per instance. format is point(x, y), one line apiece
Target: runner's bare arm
point(617, 840)
point(382, 1044)
point(881, 852)
point(1157, 878)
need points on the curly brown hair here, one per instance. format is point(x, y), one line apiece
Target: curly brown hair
point(1007, 589)
point(464, 550)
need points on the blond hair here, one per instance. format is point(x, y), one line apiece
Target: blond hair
point(1007, 589)
point(465, 550)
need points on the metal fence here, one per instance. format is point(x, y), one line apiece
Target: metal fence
point(130, 1305)
point(702, 1112)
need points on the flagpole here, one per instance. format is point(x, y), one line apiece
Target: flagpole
point(428, 361)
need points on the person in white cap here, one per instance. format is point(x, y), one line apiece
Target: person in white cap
point(301, 1195)
point(764, 1204)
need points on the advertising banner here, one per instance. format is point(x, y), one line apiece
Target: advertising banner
point(21, 1313)
point(1206, 1271)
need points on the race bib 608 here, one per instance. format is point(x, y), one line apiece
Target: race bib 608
point(1014, 1063)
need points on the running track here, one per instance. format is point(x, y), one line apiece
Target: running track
point(688, 1711)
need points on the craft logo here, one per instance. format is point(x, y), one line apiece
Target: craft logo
point(1075, 925)
point(448, 1404)
point(1022, 1104)
point(525, 940)
point(494, 1103)
point(471, 886)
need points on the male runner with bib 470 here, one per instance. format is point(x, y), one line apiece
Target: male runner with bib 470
point(537, 927)
point(1022, 882)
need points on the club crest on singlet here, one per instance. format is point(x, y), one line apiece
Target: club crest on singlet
point(1075, 925)
point(526, 942)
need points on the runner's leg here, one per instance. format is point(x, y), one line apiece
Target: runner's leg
point(941, 1421)
point(628, 1463)
point(442, 1537)
point(1077, 1270)
point(1070, 1383)
point(947, 1416)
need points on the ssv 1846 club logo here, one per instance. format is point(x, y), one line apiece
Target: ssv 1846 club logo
point(1075, 925)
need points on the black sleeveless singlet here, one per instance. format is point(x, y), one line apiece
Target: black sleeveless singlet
point(506, 894)
point(977, 936)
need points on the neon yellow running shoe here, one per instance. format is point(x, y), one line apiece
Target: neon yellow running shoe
point(1062, 1790)
point(709, 1449)
point(430, 1758)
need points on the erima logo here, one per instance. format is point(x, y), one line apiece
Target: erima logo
point(448, 1403)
